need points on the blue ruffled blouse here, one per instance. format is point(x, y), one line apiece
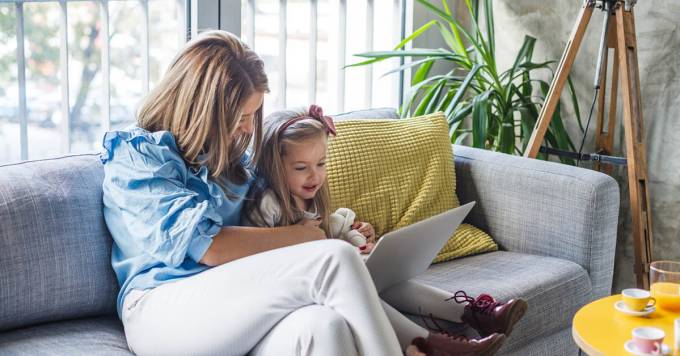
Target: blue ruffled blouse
point(161, 213)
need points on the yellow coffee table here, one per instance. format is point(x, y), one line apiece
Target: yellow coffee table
point(599, 329)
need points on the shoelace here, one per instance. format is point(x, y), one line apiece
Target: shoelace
point(483, 304)
point(439, 329)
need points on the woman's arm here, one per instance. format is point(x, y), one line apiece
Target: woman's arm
point(235, 242)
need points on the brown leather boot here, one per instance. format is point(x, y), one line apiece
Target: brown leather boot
point(487, 315)
point(444, 344)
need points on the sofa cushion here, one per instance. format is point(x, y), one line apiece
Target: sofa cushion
point(55, 250)
point(89, 336)
point(559, 343)
point(393, 173)
point(553, 288)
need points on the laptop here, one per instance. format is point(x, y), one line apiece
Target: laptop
point(405, 253)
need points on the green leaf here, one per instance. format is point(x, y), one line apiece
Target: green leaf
point(461, 90)
point(411, 95)
point(408, 65)
point(445, 5)
point(532, 66)
point(434, 102)
point(527, 88)
point(454, 30)
point(473, 8)
point(557, 129)
point(528, 117)
point(460, 114)
point(459, 28)
point(527, 122)
point(488, 7)
point(415, 34)
point(415, 52)
point(431, 95)
point(422, 73)
point(443, 15)
point(574, 103)
point(476, 45)
point(447, 99)
point(522, 56)
point(506, 136)
point(461, 137)
point(455, 43)
point(457, 133)
point(366, 62)
point(480, 120)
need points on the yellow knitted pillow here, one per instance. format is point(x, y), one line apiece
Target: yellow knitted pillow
point(393, 173)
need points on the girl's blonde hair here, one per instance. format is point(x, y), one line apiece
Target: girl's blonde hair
point(200, 101)
point(271, 170)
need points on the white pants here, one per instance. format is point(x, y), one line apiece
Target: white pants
point(228, 309)
point(315, 298)
point(317, 324)
point(418, 299)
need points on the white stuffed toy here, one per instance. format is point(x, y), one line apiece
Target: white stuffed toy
point(341, 227)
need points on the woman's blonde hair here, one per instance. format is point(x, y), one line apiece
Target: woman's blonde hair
point(200, 101)
point(271, 171)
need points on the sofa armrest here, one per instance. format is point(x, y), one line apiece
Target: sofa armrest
point(543, 208)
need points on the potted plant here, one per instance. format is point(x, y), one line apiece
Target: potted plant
point(496, 110)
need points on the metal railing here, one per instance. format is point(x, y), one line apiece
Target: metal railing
point(65, 129)
point(183, 18)
point(398, 9)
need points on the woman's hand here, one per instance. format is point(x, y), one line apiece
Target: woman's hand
point(234, 242)
point(310, 222)
point(309, 230)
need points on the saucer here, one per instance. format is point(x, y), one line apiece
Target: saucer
point(630, 347)
point(622, 307)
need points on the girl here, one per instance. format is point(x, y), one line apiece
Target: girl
point(292, 189)
point(292, 197)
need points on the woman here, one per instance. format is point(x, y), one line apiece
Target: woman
point(192, 280)
point(173, 191)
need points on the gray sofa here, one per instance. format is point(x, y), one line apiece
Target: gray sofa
point(555, 224)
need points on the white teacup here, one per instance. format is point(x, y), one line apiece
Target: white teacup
point(648, 339)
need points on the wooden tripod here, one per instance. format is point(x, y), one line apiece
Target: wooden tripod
point(622, 39)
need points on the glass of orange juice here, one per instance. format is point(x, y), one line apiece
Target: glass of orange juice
point(664, 277)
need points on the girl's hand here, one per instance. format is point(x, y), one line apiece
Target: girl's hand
point(365, 229)
point(367, 248)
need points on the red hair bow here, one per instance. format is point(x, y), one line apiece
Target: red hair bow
point(315, 112)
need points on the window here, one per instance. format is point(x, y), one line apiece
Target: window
point(100, 57)
point(314, 40)
point(72, 70)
